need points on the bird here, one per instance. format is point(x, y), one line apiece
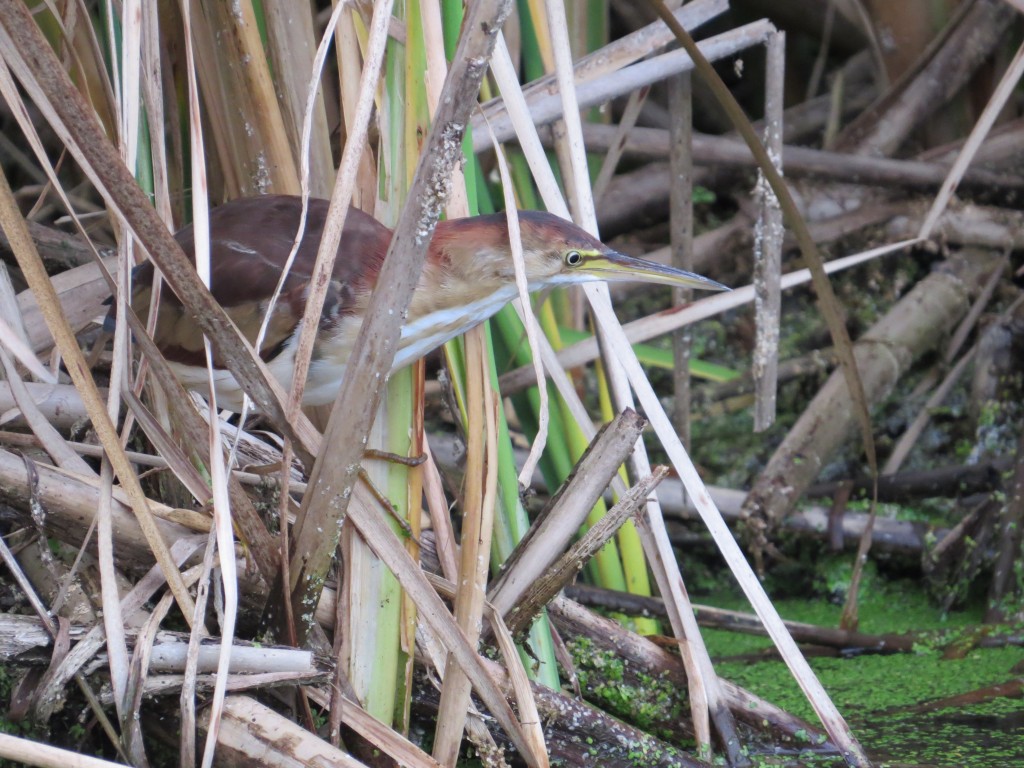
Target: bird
point(467, 277)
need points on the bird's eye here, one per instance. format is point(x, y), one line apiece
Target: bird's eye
point(572, 258)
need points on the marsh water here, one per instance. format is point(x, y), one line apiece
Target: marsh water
point(901, 706)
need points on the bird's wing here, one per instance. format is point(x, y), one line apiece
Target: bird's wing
point(250, 240)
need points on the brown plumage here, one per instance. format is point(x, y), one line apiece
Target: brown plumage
point(468, 276)
point(250, 240)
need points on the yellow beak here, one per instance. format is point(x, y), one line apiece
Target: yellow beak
point(614, 266)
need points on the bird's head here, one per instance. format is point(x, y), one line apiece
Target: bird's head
point(555, 252)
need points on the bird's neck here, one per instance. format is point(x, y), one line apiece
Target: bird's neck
point(433, 321)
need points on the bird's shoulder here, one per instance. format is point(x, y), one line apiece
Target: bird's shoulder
point(250, 241)
point(251, 238)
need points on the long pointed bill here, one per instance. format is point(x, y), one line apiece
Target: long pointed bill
point(614, 266)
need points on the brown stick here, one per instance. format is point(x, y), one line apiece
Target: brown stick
point(747, 623)
point(566, 567)
point(952, 482)
point(566, 511)
point(56, 248)
point(718, 151)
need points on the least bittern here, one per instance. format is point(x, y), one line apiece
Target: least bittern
point(468, 276)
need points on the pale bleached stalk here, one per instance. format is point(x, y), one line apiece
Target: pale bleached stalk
point(437, 505)
point(245, 659)
point(522, 124)
point(547, 107)
point(131, 56)
point(705, 697)
point(12, 323)
point(201, 225)
point(33, 753)
point(117, 647)
point(533, 331)
point(228, 573)
point(126, 89)
point(113, 623)
point(13, 343)
point(1007, 86)
point(52, 441)
point(187, 698)
point(139, 672)
point(223, 530)
point(344, 186)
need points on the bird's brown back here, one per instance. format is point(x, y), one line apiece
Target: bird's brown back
point(250, 240)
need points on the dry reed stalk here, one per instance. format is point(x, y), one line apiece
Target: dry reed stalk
point(768, 236)
point(564, 570)
point(44, 756)
point(563, 516)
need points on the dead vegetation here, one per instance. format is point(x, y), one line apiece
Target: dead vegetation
point(182, 586)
